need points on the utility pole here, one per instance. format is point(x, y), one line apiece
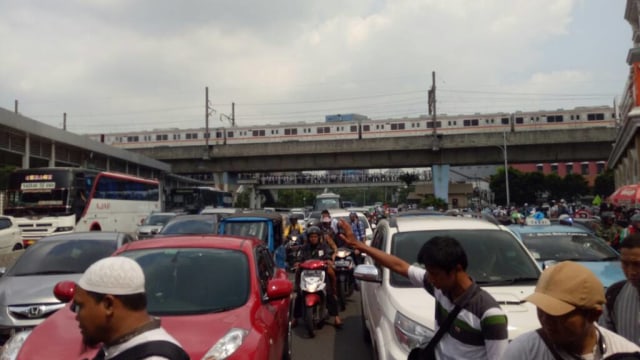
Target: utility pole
point(64, 121)
point(15, 106)
point(206, 117)
point(432, 110)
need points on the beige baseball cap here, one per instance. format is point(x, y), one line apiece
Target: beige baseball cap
point(566, 286)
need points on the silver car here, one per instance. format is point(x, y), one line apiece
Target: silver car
point(153, 223)
point(26, 289)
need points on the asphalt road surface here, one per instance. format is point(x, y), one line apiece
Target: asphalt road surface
point(331, 343)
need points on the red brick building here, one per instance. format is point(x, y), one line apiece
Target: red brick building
point(589, 169)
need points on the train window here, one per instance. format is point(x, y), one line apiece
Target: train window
point(219, 134)
point(613, 116)
point(207, 135)
point(323, 130)
point(504, 121)
point(474, 122)
point(554, 118)
point(397, 126)
point(229, 134)
point(598, 116)
point(366, 127)
point(486, 121)
point(192, 136)
point(571, 117)
point(577, 117)
point(162, 137)
point(519, 120)
point(176, 136)
point(132, 139)
point(418, 125)
point(353, 128)
point(466, 122)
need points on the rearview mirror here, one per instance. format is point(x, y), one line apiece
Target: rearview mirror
point(367, 273)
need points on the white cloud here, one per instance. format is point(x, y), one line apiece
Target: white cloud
point(147, 62)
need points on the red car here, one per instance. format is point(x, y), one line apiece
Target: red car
point(221, 297)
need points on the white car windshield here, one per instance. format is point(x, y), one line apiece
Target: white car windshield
point(495, 257)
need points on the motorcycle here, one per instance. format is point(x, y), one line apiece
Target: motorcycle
point(344, 267)
point(292, 249)
point(313, 290)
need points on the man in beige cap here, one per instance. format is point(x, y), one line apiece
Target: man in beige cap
point(569, 298)
point(111, 308)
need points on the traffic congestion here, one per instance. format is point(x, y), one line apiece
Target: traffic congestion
point(230, 283)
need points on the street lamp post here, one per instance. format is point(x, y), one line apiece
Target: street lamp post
point(506, 165)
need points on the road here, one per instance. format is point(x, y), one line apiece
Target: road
point(333, 344)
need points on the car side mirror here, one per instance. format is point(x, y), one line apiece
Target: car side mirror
point(64, 291)
point(3, 270)
point(279, 289)
point(367, 273)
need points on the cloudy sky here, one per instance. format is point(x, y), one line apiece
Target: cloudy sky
point(119, 65)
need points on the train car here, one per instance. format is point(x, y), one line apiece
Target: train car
point(364, 128)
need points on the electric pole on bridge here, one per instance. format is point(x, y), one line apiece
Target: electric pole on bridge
point(431, 99)
point(208, 111)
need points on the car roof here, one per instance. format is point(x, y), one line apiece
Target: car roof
point(163, 213)
point(276, 217)
point(530, 229)
point(179, 218)
point(87, 235)
point(210, 210)
point(428, 222)
point(230, 242)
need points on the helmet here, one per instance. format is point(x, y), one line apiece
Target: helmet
point(314, 230)
point(565, 219)
point(635, 218)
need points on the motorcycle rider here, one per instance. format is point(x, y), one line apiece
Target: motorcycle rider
point(294, 228)
point(634, 227)
point(316, 249)
point(609, 230)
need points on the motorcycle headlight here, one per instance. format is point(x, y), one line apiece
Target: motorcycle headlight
point(343, 253)
point(409, 333)
point(227, 345)
point(12, 347)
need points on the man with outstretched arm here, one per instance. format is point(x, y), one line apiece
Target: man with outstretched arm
point(481, 326)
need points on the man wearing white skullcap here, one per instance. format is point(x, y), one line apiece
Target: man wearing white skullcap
point(111, 308)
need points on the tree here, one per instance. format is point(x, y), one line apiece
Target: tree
point(5, 171)
point(408, 178)
point(604, 184)
point(437, 203)
point(574, 186)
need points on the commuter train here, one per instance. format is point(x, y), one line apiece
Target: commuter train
point(580, 117)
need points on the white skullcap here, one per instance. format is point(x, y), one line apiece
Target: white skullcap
point(115, 275)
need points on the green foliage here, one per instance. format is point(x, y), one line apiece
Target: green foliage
point(437, 203)
point(535, 187)
point(604, 184)
point(408, 178)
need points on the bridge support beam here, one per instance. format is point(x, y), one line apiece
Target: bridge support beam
point(27, 151)
point(441, 181)
point(52, 159)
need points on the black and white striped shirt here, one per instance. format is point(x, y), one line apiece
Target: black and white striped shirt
point(625, 319)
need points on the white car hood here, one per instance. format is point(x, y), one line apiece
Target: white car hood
point(417, 304)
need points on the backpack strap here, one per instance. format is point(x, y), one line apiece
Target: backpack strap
point(162, 348)
point(611, 295)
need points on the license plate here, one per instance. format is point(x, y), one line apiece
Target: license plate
point(343, 263)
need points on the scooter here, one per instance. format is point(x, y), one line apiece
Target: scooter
point(313, 290)
point(344, 267)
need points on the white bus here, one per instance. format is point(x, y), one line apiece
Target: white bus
point(48, 201)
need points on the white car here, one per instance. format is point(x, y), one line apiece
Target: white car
point(10, 235)
point(398, 316)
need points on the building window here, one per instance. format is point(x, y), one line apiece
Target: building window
point(600, 167)
point(554, 168)
point(568, 168)
point(584, 168)
point(540, 167)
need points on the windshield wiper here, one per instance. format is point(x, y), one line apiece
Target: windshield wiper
point(507, 281)
point(49, 272)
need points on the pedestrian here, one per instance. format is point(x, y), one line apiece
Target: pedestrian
point(480, 330)
point(111, 308)
point(622, 313)
point(569, 298)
